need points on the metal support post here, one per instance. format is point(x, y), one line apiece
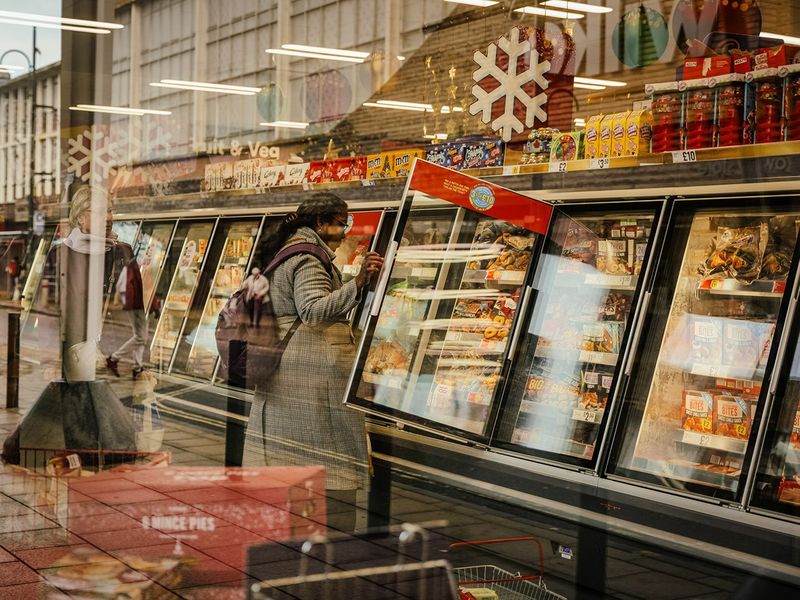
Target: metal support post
point(12, 365)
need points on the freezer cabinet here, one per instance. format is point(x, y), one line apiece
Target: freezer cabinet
point(698, 385)
point(563, 383)
point(442, 324)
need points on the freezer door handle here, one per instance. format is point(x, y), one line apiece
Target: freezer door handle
point(779, 357)
point(637, 333)
point(383, 280)
point(523, 307)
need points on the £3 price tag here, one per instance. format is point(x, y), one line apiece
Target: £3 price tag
point(599, 163)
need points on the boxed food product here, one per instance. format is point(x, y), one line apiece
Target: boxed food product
point(697, 68)
point(700, 117)
point(668, 116)
point(697, 412)
point(316, 171)
point(746, 343)
point(732, 416)
point(591, 144)
point(776, 56)
point(483, 153)
point(639, 252)
point(296, 174)
point(567, 146)
point(795, 437)
point(340, 169)
point(358, 167)
point(538, 145)
point(445, 155)
point(596, 386)
point(767, 89)
point(606, 137)
point(791, 101)
point(615, 307)
point(639, 132)
point(403, 159)
point(737, 252)
point(706, 340)
point(615, 256)
point(602, 337)
point(741, 62)
point(379, 166)
point(273, 176)
point(619, 133)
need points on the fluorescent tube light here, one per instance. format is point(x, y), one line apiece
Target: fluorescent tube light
point(59, 20)
point(376, 105)
point(580, 123)
point(482, 3)
point(435, 136)
point(42, 25)
point(603, 82)
point(567, 5)
point(120, 110)
point(548, 12)
point(284, 52)
point(588, 86)
point(407, 104)
point(11, 68)
point(200, 86)
point(327, 51)
point(786, 38)
point(286, 124)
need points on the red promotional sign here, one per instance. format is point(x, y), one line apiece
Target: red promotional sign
point(363, 223)
point(481, 197)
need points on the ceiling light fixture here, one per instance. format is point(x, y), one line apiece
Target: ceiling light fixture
point(321, 50)
point(11, 68)
point(284, 52)
point(407, 104)
point(200, 86)
point(50, 22)
point(588, 86)
point(786, 38)
point(286, 124)
point(376, 105)
point(399, 57)
point(567, 5)
point(481, 3)
point(120, 110)
point(547, 12)
point(603, 82)
point(435, 136)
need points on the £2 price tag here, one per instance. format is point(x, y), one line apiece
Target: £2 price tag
point(558, 167)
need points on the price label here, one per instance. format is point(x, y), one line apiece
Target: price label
point(704, 440)
point(684, 156)
point(558, 167)
point(588, 416)
point(599, 163)
point(510, 170)
point(367, 182)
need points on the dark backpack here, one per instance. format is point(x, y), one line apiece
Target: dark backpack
point(252, 354)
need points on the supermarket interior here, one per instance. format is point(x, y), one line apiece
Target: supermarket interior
point(400, 299)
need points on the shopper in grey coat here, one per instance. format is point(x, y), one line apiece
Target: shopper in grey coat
point(298, 416)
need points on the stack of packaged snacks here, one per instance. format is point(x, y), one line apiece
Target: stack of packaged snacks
point(619, 133)
point(483, 153)
point(731, 111)
point(402, 161)
point(791, 103)
point(699, 126)
point(606, 136)
point(379, 166)
point(639, 132)
point(767, 91)
point(538, 145)
point(668, 115)
point(591, 143)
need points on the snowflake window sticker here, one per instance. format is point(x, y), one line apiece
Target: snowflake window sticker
point(495, 83)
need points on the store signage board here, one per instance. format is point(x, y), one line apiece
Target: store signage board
point(481, 196)
point(363, 223)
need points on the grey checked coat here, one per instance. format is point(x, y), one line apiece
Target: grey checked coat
point(297, 417)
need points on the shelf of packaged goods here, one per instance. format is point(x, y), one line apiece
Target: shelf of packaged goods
point(714, 442)
point(396, 382)
point(622, 283)
point(585, 415)
point(727, 371)
point(460, 341)
point(234, 260)
point(418, 273)
point(497, 277)
point(568, 447)
point(716, 476)
point(732, 287)
point(607, 359)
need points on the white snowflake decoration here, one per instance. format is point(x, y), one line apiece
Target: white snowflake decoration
point(92, 156)
point(511, 84)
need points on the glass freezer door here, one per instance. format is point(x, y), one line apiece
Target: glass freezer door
point(562, 382)
point(151, 251)
point(435, 348)
point(696, 392)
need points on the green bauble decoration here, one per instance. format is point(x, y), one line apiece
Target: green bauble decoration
point(641, 37)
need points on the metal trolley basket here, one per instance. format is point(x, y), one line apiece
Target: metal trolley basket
point(507, 585)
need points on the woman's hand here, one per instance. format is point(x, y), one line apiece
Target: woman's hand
point(372, 264)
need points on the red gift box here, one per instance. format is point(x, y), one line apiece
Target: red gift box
point(777, 56)
point(316, 171)
point(358, 167)
point(742, 63)
point(713, 66)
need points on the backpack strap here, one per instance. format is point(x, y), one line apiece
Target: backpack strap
point(303, 248)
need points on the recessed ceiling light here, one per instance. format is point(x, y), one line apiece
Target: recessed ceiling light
point(603, 82)
point(566, 4)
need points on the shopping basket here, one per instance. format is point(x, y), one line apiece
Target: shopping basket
point(507, 585)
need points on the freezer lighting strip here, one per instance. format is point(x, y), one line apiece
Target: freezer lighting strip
point(285, 52)
point(451, 294)
point(547, 12)
point(119, 110)
point(587, 8)
point(200, 86)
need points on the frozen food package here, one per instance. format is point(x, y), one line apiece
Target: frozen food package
point(602, 337)
point(706, 340)
point(746, 343)
point(697, 412)
point(737, 252)
point(387, 357)
point(732, 416)
point(639, 251)
point(580, 245)
point(795, 437)
point(615, 256)
point(780, 247)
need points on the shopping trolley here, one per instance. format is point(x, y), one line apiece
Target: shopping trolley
point(507, 585)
